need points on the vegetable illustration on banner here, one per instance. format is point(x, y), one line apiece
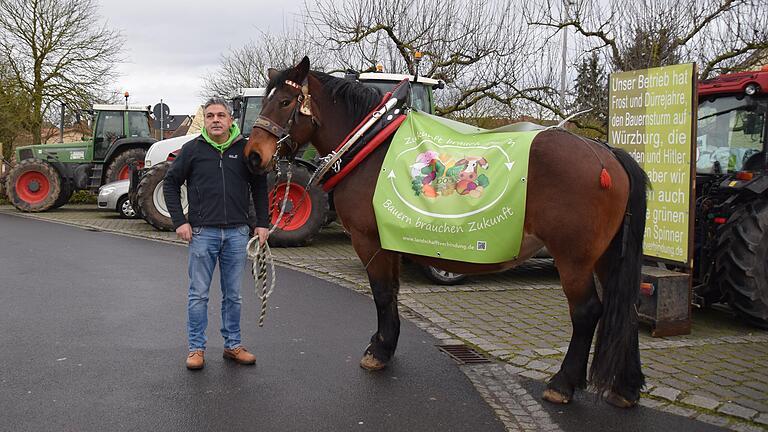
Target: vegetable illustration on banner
point(436, 175)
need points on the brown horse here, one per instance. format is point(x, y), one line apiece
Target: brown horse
point(590, 229)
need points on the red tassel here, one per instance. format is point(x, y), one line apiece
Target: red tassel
point(605, 179)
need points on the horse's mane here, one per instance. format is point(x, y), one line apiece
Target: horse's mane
point(357, 99)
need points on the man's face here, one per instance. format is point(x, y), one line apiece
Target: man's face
point(217, 122)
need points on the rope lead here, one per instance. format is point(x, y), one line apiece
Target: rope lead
point(261, 257)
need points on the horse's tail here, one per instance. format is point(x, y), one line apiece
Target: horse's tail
point(616, 362)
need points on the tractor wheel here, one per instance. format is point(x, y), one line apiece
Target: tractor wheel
point(33, 186)
point(305, 209)
point(151, 200)
point(118, 168)
point(741, 264)
point(66, 193)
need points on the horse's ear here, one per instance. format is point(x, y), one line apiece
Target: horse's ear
point(302, 69)
point(461, 162)
point(272, 73)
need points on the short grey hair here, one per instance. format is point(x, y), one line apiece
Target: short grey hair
point(218, 101)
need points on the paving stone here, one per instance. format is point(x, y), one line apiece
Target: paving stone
point(743, 427)
point(534, 374)
point(678, 410)
point(667, 393)
point(722, 392)
point(520, 360)
point(714, 420)
point(538, 365)
point(737, 410)
point(650, 403)
point(762, 419)
point(758, 406)
point(701, 402)
point(719, 380)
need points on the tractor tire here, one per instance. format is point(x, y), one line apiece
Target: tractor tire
point(151, 200)
point(305, 210)
point(741, 263)
point(33, 185)
point(118, 167)
point(66, 193)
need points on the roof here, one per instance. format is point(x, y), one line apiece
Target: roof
point(172, 122)
point(120, 107)
point(379, 76)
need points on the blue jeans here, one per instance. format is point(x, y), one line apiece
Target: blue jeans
point(228, 246)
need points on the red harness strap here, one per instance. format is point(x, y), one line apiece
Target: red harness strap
point(384, 100)
point(365, 151)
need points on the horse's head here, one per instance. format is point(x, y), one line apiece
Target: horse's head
point(286, 121)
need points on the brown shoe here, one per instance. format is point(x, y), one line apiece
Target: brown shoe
point(196, 360)
point(240, 355)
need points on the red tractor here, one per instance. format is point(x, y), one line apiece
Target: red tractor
point(731, 240)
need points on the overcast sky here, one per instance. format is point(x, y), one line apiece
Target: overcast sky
point(171, 44)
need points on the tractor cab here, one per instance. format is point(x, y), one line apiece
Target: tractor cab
point(421, 87)
point(731, 133)
point(114, 122)
point(246, 105)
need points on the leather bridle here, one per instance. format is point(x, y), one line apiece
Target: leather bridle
point(283, 133)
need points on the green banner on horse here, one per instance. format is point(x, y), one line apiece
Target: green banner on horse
point(453, 191)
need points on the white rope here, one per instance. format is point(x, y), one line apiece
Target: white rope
point(261, 256)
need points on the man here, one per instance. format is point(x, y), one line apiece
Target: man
point(218, 182)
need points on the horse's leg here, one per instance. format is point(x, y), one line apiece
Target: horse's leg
point(585, 308)
point(383, 268)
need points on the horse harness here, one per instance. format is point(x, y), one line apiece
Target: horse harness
point(374, 129)
point(283, 133)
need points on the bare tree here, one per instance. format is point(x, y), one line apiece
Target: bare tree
point(56, 52)
point(718, 35)
point(246, 66)
point(478, 48)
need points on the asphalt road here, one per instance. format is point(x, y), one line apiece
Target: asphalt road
point(93, 339)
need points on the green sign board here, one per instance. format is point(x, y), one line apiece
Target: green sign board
point(453, 191)
point(651, 115)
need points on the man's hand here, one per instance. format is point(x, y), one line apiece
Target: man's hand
point(262, 234)
point(184, 232)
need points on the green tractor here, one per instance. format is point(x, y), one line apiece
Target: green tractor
point(45, 176)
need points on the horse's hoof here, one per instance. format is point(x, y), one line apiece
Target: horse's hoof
point(554, 396)
point(619, 401)
point(368, 362)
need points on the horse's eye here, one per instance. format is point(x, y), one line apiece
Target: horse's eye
point(285, 102)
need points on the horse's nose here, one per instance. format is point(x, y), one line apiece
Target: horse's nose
point(254, 163)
